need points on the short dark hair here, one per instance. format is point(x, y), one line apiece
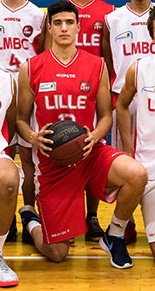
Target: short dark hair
point(151, 20)
point(61, 6)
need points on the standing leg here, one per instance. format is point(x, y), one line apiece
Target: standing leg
point(9, 183)
point(28, 187)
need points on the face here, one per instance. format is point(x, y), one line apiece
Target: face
point(64, 28)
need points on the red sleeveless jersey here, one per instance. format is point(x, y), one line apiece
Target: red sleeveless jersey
point(91, 18)
point(65, 91)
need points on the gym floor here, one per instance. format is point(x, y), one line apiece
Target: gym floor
point(87, 267)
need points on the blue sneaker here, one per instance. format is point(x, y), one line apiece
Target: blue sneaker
point(115, 246)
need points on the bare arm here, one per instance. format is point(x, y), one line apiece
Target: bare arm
point(48, 37)
point(122, 108)
point(41, 38)
point(11, 115)
point(24, 112)
point(103, 111)
point(106, 49)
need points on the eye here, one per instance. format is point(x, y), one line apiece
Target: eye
point(70, 21)
point(57, 22)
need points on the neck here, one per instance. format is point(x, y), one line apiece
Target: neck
point(139, 6)
point(64, 54)
point(13, 4)
point(82, 2)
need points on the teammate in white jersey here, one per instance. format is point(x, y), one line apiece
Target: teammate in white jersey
point(21, 36)
point(126, 39)
point(140, 80)
point(9, 174)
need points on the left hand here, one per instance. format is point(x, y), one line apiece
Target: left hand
point(90, 141)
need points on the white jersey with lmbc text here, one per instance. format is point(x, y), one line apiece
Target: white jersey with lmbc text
point(130, 40)
point(19, 29)
point(145, 139)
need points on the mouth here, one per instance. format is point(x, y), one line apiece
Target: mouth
point(64, 35)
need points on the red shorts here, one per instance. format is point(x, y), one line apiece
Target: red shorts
point(61, 192)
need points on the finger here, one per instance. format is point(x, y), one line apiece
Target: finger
point(46, 126)
point(44, 153)
point(48, 141)
point(87, 129)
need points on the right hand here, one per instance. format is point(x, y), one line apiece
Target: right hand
point(39, 141)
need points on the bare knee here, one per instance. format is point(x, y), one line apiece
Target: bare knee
point(152, 247)
point(138, 176)
point(9, 181)
point(56, 252)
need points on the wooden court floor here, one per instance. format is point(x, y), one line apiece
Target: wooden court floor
point(86, 268)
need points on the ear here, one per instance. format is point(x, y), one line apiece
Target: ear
point(49, 28)
point(78, 27)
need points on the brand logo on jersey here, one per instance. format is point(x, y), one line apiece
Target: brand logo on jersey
point(138, 23)
point(12, 19)
point(126, 34)
point(2, 29)
point(65, 75)
point(85, 86)
point(84, 16)
point(27, 30)
point(60, 233)
point(150, 89)
point(98, 25)
point(46, 87)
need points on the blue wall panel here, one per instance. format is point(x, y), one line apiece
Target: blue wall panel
point(46, 3)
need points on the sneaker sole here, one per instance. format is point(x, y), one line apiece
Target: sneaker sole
point(9, 284)
point(106, 249)
point(90, 238)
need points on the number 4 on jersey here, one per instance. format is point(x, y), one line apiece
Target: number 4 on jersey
point(14, 61)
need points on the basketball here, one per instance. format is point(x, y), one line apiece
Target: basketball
point(68, 138)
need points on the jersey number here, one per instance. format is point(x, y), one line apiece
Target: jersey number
point(14, 61)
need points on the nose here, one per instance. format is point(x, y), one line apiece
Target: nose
point(64, 26)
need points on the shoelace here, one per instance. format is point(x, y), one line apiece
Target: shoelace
point(4, 267)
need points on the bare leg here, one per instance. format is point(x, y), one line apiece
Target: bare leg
point(131, 177)
point(12, 235)
point(94, 232)
point(9, 183)
point(92, 203)
point(28, 187)
point(9, 179)
point(56, 252)
point(28, 168)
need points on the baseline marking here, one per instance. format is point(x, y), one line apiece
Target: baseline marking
point(35, 257)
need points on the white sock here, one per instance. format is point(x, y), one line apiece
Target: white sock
point(32, 224)
point(2, 241)
point(117, 226)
